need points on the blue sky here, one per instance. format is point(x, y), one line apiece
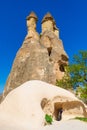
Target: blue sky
point(70, 16)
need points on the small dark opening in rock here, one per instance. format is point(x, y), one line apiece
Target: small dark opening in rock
point(62, 68)
point(64, 57)
point(49, 50)
point(59, 116)
point(58, 111)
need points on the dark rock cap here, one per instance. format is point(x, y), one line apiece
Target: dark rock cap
point(48, 16)
point(32, 15)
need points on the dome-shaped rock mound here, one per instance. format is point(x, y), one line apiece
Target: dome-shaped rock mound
point(25, 107)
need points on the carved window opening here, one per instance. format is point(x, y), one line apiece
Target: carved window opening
point(49, 50)
point(62, 69)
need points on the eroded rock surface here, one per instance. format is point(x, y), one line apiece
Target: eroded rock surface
point(40, 57)
point(25, 107)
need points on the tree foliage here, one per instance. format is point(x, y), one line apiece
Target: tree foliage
point(76, 75)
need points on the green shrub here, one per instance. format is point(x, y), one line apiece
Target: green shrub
point(48, 119)
point(81, 119)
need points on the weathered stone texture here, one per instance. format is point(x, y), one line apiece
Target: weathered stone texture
point(40, 57)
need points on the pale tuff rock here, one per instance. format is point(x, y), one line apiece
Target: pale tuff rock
point(40, 57)
point(24, 108)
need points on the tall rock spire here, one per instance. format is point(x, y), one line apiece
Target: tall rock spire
point(40, 57)
point(31, 25)
point(49, 24)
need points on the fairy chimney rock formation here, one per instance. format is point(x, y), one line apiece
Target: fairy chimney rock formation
point(48, 23)
point(31, 26)
point(41, 57)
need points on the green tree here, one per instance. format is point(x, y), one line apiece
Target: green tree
point(76, 75)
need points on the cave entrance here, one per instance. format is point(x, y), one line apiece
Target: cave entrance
point(58, 109)
point(49, 50)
